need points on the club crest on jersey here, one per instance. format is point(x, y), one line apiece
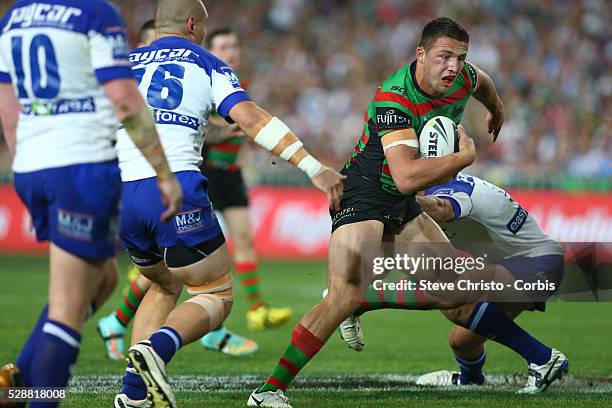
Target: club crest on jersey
point(392, 118)
point(189, 221)
point(75, 225)
point(231, 75)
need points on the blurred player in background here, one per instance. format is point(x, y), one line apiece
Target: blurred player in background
point(112, 327)
point(64, 68)
point(228, 193)
point(379, 201)
point(183, 83)
point(147, 34)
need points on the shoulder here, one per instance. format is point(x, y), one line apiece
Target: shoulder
point(396, 82)
point(470, 75)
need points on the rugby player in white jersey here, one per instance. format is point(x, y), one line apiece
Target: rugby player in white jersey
point(183, 83)
point(64, 81)
point(472, 210)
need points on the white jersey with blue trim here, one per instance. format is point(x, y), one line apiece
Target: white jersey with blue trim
point(57, 53)
point(182, 84)
point(508, 225)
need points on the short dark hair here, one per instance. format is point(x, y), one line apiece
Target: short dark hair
point(217, 32)
point(148, 25)
point(442, 27)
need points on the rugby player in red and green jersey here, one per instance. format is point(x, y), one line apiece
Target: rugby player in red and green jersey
point(379, 202)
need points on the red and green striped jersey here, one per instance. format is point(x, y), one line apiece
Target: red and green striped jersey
point(224, 155)
point(398, 104)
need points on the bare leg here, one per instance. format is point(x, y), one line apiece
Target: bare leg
point(73, 284)
point(157, 303)
point(109, 282)
point(188, 319)
point(239, 223)
point(346, 284)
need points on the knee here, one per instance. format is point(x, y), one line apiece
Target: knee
point(455, 339)
point(461, 339)
point(345, 299)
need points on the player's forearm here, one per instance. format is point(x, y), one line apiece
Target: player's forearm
point(141, 128)
point(420, 174)
point(487, 94)
point(9, 128)
point(9, 115)
point(436, 208)
point(217, 131)
point(272, 134)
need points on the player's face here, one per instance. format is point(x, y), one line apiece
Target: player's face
point(442, 61)
point(227, 48)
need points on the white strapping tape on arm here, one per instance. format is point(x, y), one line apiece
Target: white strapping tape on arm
point(310, 166)
point(409, 143)
point(290, 150)
point(269, 135)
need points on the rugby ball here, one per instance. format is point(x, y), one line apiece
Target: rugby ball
point(439, 137)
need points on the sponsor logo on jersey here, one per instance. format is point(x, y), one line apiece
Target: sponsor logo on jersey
point(231, 76)
point(399, 89)
point(164, 117)
point(517, 221)
point(118, 44)
point(75, 225)
point(432, 147)
point(165, 54)
point(392, 118)
point(39, 14)
point(189, 221)
point(59, 107)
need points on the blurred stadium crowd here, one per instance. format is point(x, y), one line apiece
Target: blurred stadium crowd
point(317, 63)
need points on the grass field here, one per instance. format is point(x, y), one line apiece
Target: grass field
point(400, 345)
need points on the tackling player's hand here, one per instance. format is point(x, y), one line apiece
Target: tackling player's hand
point(495, 122)
point(330, 182)
point(171, 195)
point(466, 146)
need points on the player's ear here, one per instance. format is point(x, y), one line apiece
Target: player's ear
point(420, 55)
point(190, 25)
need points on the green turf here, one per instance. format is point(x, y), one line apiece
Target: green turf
point(371, 399)
point(397, 342)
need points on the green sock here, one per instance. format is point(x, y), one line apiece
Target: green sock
point(304, 345)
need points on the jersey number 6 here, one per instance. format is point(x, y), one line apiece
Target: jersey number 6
point(165, 90)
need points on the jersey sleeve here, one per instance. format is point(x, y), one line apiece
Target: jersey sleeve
point(226, 89)
point(391, 109)
point(108, 44)
point(471, 75)
point(458, 192)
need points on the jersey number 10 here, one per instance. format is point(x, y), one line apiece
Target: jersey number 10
point(45, 83)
